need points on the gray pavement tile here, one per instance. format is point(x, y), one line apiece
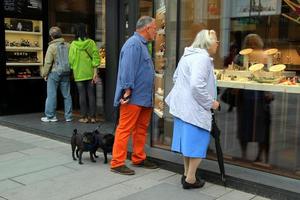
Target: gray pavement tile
point(156, 174)
point(43, 175)
point(11, 156)
point(7, 184)
point(236, 195)
point(9, 145)
point(167, 191)
point(31, 164)
point(68, 186)
point(50, 144)
point(260, 198)
point(215, 190)
point(114, 192)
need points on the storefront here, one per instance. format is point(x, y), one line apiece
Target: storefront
point(25, 41)
point(260, 103)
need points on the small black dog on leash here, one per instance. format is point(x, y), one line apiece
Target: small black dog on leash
point(91, 141)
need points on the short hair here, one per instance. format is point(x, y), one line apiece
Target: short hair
point(253, 41)
point(55, 32)
point(143, 21)
point(80, 31)
point(203, 39)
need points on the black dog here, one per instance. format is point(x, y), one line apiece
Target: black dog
point(106, 143)
point(91, 141)
point(85, 142)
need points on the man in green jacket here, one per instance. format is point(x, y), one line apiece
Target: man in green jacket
point(84, 59)
point(52, 74)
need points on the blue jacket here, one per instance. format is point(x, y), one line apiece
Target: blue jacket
point(194, 87)
point(136, 72)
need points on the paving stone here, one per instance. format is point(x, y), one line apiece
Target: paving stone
point(11, 156)
point(114, 192)
point(7, 184)
point(216, 190)
point(236, 195)
point(260, 198)
point(167, 191)
point(31, 164)
point(43, 175)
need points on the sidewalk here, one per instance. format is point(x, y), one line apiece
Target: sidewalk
point(34, 168)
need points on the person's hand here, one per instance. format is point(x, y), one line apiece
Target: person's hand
point(126, 97)
point(46, 78)
point(95, 79)
point(215, 105)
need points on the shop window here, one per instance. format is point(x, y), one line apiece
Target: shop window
point(257, 67)
point(164, 56)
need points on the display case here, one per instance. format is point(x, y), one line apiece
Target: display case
point(24, 48)
point(67, 13)
point(160, 59)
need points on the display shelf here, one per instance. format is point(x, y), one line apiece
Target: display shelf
point(158, 113)
point(24, 64)
point(252, 85)
point(23, 48)
point(23, 32)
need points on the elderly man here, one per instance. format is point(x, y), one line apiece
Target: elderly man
point(56, 72)
point(134, 96)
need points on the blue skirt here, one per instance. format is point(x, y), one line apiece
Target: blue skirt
point(190, 140)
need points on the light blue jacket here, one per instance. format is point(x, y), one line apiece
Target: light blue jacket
point(194, 89)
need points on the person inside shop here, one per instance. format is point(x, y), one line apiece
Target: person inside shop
point(56, 71)
point(84, 60)
point(133, 96)
point(194, 87)
point(253, 109)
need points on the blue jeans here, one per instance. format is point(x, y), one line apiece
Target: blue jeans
point(63, 81)
point(86, 90)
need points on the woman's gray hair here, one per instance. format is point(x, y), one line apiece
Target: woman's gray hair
point(203, 39)
point(55, 32)
point(143, 21)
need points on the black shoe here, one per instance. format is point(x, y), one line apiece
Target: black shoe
point(184, 177)
point(123, 170)
point(146, 164)
point(198, 184)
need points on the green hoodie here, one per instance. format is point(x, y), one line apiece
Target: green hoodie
point(83, 58)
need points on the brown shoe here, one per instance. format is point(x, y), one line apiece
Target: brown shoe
point(146, 164)
point(83, 120)
point(123, 169)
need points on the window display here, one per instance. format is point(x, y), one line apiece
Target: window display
point(164, 59)
point(24, 48)
point(257, 68)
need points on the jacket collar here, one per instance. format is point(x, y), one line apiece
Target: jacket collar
point(57, 40)
point(141, 38)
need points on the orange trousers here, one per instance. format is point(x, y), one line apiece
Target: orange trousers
point(133, 120)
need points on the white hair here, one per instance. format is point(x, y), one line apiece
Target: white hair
point(204, 39)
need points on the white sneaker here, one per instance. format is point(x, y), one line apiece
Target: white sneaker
point(69, 120)
point(46, 119)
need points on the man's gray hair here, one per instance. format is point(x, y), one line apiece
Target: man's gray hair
point(203, 39)
point(143, 21)
point(55, 32)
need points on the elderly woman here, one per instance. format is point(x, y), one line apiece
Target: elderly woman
point(195, 88)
